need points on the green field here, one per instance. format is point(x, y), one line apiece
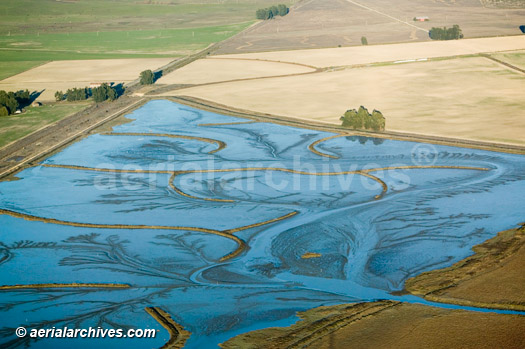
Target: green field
point(16, 126)
point(50, 16)
point(10, 68)
point(113, 44)
point(47, 30)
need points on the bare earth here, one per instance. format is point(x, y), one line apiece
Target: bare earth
point(61, 75)
point(213, 70)
point(329, 23)
point(452, 98)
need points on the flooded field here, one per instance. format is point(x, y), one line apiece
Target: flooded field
point(231, 225)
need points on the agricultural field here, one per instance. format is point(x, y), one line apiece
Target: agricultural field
point(452, 97)
point(345, 56)
point(214, 69)
point(17, 126)
point(36, 31)
point(516, 58)
point(332, 23)
point(14, 67)
point(61, 75)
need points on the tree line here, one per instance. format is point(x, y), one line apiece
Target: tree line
point(445, 33)
point(10, 102)
point(273, 11)
point(100, 94)
point(362, 119)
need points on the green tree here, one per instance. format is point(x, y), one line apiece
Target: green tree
point(378, 121)
point(147, 77)
point(104, 92)
point(8, 100)
point(59, 96)
point(77, 94)
point(274, 10)
point(445, 33)
point(4, 111)
point(261, 13)
point(23, 97)
point(283, 9)
point(364, 41)
point(362, 119)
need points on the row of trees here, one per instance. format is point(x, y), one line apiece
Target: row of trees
point(100, 94)
point(270, 12)
point(10, 102)
point(362, 119)
point(445, 33)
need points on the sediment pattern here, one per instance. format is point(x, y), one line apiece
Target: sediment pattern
point(205, 231)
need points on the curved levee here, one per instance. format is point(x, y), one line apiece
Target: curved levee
point(178, 335)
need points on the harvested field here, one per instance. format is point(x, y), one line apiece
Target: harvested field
point(452, 98)
point(61, 75)
point(213, 70)
point(329, 23)
point(389, 53)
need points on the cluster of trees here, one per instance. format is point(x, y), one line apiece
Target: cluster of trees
point(270, 12)
point(100, 94)
point(73, 94)
point(445, 33)
point(10, 102)
point(103, 93)
point(362, 119)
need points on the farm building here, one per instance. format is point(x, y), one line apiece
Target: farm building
point(421, 19)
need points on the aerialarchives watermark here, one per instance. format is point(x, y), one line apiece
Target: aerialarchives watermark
point(90, 332)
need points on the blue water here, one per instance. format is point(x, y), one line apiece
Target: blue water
point(370, 242)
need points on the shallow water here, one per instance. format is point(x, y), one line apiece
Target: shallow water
point(368, 241)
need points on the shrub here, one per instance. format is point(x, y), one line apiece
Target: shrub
point(4, 111)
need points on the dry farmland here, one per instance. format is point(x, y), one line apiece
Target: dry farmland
point(223, 69)
point(61, 75)
point(330, 23)
point(460, 97)
point(332, 57)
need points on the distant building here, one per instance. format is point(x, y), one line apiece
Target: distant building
point(421, 19)
point(36, 104)
point(95, 84)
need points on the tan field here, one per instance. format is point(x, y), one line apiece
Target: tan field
point(333, 23)
point(516, 58)
point(386, 324)
point(213, 70)
point(344, 56)
point(473, 98)
point(61, 75)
